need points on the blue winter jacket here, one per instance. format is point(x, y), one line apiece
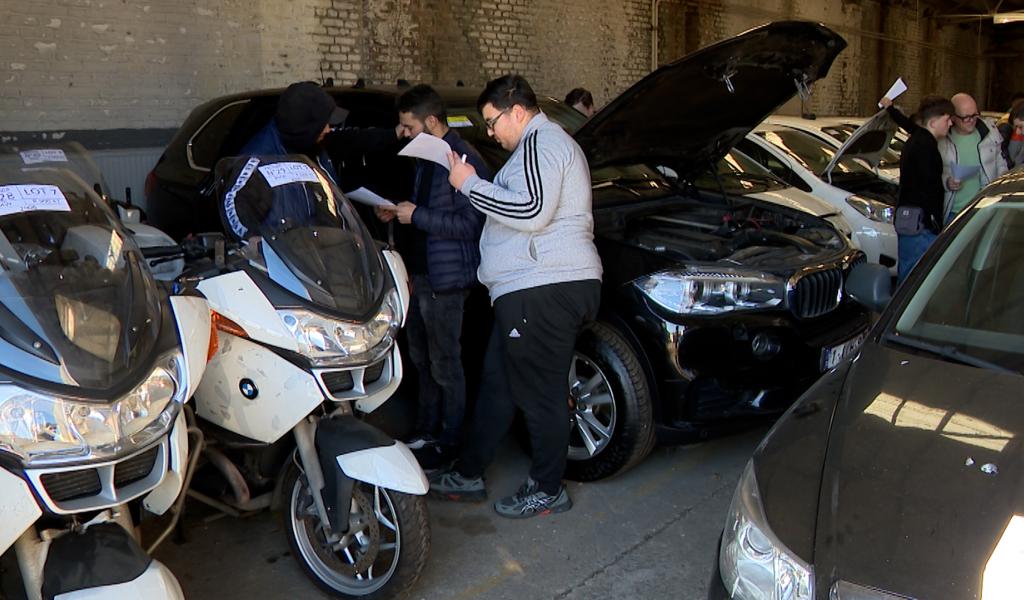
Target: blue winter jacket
point(451, 223)
point(267, 142)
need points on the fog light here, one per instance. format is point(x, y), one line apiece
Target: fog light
point(765, 345)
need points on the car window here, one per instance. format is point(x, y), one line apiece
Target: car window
point(205, 145)
point(772, 163)
point(738, 174)
point(839, 132)
point(811, 152)
point(973, 297)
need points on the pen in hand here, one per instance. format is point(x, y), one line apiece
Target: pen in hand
point(463, 159)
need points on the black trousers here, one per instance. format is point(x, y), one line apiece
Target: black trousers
point(527, 367)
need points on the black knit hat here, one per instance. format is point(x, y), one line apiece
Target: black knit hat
point(303, 111)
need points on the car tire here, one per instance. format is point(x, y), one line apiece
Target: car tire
point(611, 413)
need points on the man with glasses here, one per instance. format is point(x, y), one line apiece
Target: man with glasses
point(972, 142)
point(540, 265)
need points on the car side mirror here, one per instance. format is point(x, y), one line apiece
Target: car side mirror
point(870, 285)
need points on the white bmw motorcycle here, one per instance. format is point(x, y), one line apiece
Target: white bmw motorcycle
point(307, 307)
point(97, 363)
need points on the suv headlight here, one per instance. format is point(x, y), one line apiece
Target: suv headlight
point(331, 342)
point(872, 209)
point(713, 292)
point(754, 564)
point(42, 429)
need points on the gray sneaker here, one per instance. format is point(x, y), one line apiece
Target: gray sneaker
point(529, 501)
point(449, 484)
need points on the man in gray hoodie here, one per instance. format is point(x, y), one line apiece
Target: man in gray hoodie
point(543, 272)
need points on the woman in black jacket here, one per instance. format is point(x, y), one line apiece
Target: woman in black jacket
point(920, 177)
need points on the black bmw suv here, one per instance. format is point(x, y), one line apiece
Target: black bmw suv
point(717, 308)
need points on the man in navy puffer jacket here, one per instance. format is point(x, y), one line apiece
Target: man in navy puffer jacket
point(442, 258)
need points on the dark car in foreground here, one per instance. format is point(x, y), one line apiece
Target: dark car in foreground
point(898, 475)
point(717, 307)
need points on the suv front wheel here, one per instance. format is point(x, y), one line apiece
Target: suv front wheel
point(610, 414)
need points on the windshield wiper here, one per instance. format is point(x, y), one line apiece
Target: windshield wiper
point(949, 352)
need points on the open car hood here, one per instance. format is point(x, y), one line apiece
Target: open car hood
point(688, 114)
point(868, 143)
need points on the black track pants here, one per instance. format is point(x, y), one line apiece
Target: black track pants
point(527, 367)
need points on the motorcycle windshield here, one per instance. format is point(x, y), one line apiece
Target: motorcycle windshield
point(56, 155)
point(77, 306)
point(312, 243)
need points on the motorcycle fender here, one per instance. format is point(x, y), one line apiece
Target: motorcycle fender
point(156, 583)
point(401, 277)
point(280, 394)
point(364, 453)
point(163, 496)
point(193, 316)
point(18, 507)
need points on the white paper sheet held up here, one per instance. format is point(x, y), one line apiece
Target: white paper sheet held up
point(962, 172)
point(898, 87)
point(370, 197)
point(428, 147)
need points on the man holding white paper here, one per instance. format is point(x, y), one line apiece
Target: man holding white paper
point(442, 255)
point(971, 155)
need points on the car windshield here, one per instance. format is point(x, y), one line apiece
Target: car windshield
point(71, 156)
point(972, 299)
point(814, 154)
point(311, 241)
point(738, 174)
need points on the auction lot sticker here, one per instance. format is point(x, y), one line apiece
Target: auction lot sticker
point(288, 172)
point(43, 155)
point(26, 198)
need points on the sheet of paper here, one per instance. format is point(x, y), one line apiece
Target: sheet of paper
point(962, 172)
point(370, 197)
point(25, 198)
point(428, 147)
point(288, 172)
point(898, 87)
point(43, 155)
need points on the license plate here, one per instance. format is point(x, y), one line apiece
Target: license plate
point(833, 355)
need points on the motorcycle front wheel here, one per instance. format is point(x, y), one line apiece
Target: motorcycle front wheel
point(380, 557)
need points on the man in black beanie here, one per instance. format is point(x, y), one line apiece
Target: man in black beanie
point(305, 115)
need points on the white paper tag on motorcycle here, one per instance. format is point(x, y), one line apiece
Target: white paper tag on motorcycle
point(26, 198)
point(44, 155)
point(288, 172)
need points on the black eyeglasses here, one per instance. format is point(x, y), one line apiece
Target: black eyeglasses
point(490, 122)
point(968, 117)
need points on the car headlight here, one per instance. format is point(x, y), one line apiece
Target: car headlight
point(872, 209)
point(754, 564)
point(333, 342)
point(42, 429)
point(713, 292)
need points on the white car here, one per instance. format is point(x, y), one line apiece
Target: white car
point(844, 182)
point(837, 131)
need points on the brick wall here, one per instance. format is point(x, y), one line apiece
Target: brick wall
point(111, 64)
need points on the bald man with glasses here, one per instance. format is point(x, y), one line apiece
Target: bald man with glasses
point(972, 142)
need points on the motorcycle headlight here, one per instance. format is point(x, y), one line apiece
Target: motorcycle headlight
point(874, 210)
point(754, 564)
point(709, 293)
point(42, 429)
point(333, 342)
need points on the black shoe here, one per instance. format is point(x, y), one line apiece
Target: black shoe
point(529, 501)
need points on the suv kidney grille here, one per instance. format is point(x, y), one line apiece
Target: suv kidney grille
point(817, 293)
point(135, 468)
point(338, 381)
point(373, 372)
point(69, 485)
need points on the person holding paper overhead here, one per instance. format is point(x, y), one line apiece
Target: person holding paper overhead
point(972, 155)
point(442, 255)
point(919, 207)
point(540, 265)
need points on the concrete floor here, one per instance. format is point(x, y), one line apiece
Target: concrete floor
point(649, 533)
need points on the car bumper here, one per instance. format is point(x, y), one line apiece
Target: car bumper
point(727, 368)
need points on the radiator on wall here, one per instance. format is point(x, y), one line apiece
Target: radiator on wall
point(127, 168)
